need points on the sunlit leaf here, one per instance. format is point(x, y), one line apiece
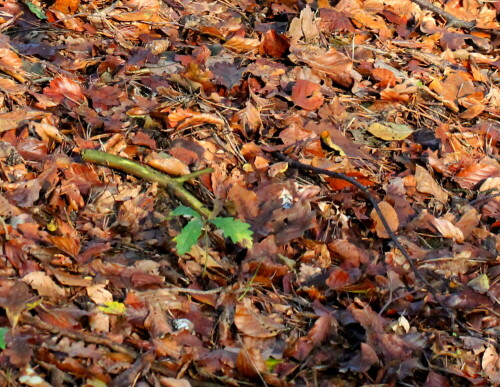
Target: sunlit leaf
point(185, 211)
point(236, 230)
point(37, 11)
point(113, 307)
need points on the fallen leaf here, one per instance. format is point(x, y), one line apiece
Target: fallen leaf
point(44, 285)
point(390, 131)
point(167, 164)
point(306, 94)
point(241, 44)
point(448, 230)
point(426, 184)
point(252, 323)
point(390, 216)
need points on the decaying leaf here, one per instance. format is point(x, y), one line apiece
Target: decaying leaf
point(44, 285)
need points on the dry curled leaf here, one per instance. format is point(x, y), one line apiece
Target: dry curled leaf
point(427, 184)
point(167, 164)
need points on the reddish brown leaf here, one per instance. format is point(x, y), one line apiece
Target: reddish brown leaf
point(337, 279)
point(65, 91)
point(274, 44)
point(254, 324)
point(307, 95)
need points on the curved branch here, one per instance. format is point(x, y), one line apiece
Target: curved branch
point(173, 184)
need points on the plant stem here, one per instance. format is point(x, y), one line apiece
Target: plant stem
point(174, 185)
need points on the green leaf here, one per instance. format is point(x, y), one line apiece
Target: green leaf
point(113, 307)
point(188, 236)
point(236, 230)
point(3, 332)
point(185, 211)
point(39, 12)
point(271, 363)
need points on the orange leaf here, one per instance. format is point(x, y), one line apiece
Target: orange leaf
point(390, 216)
point(167, 163)
point(385, 77)
point(339, 184)
point(240, 44)
point(306, 94)
point(67, 7)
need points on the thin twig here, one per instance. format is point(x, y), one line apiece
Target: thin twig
point(394, 238)
point(451, 20)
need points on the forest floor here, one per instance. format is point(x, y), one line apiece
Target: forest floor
point(267, 267)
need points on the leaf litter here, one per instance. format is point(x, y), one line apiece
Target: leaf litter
point(298, 282)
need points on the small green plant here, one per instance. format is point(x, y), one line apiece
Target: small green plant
point(3, 332)
point(236, 230)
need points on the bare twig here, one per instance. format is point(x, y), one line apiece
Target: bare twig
point(394, 238)
point(451, 20)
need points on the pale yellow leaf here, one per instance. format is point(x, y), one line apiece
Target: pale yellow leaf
point(390, 131)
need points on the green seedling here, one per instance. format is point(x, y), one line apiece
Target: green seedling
point(234, 229)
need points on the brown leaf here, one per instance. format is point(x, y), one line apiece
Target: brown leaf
point(275, 45)
point(321, 329)
point(468, 222)
point(435, 380)
point(390, 216)
point(250, 363)
point(426, 184)
point(304, 26)
point(241, 44)
point(332, 63)
point(448, 229)
point(248, 320)
point(306, 94)
point(44, 285)
point(173, 382)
